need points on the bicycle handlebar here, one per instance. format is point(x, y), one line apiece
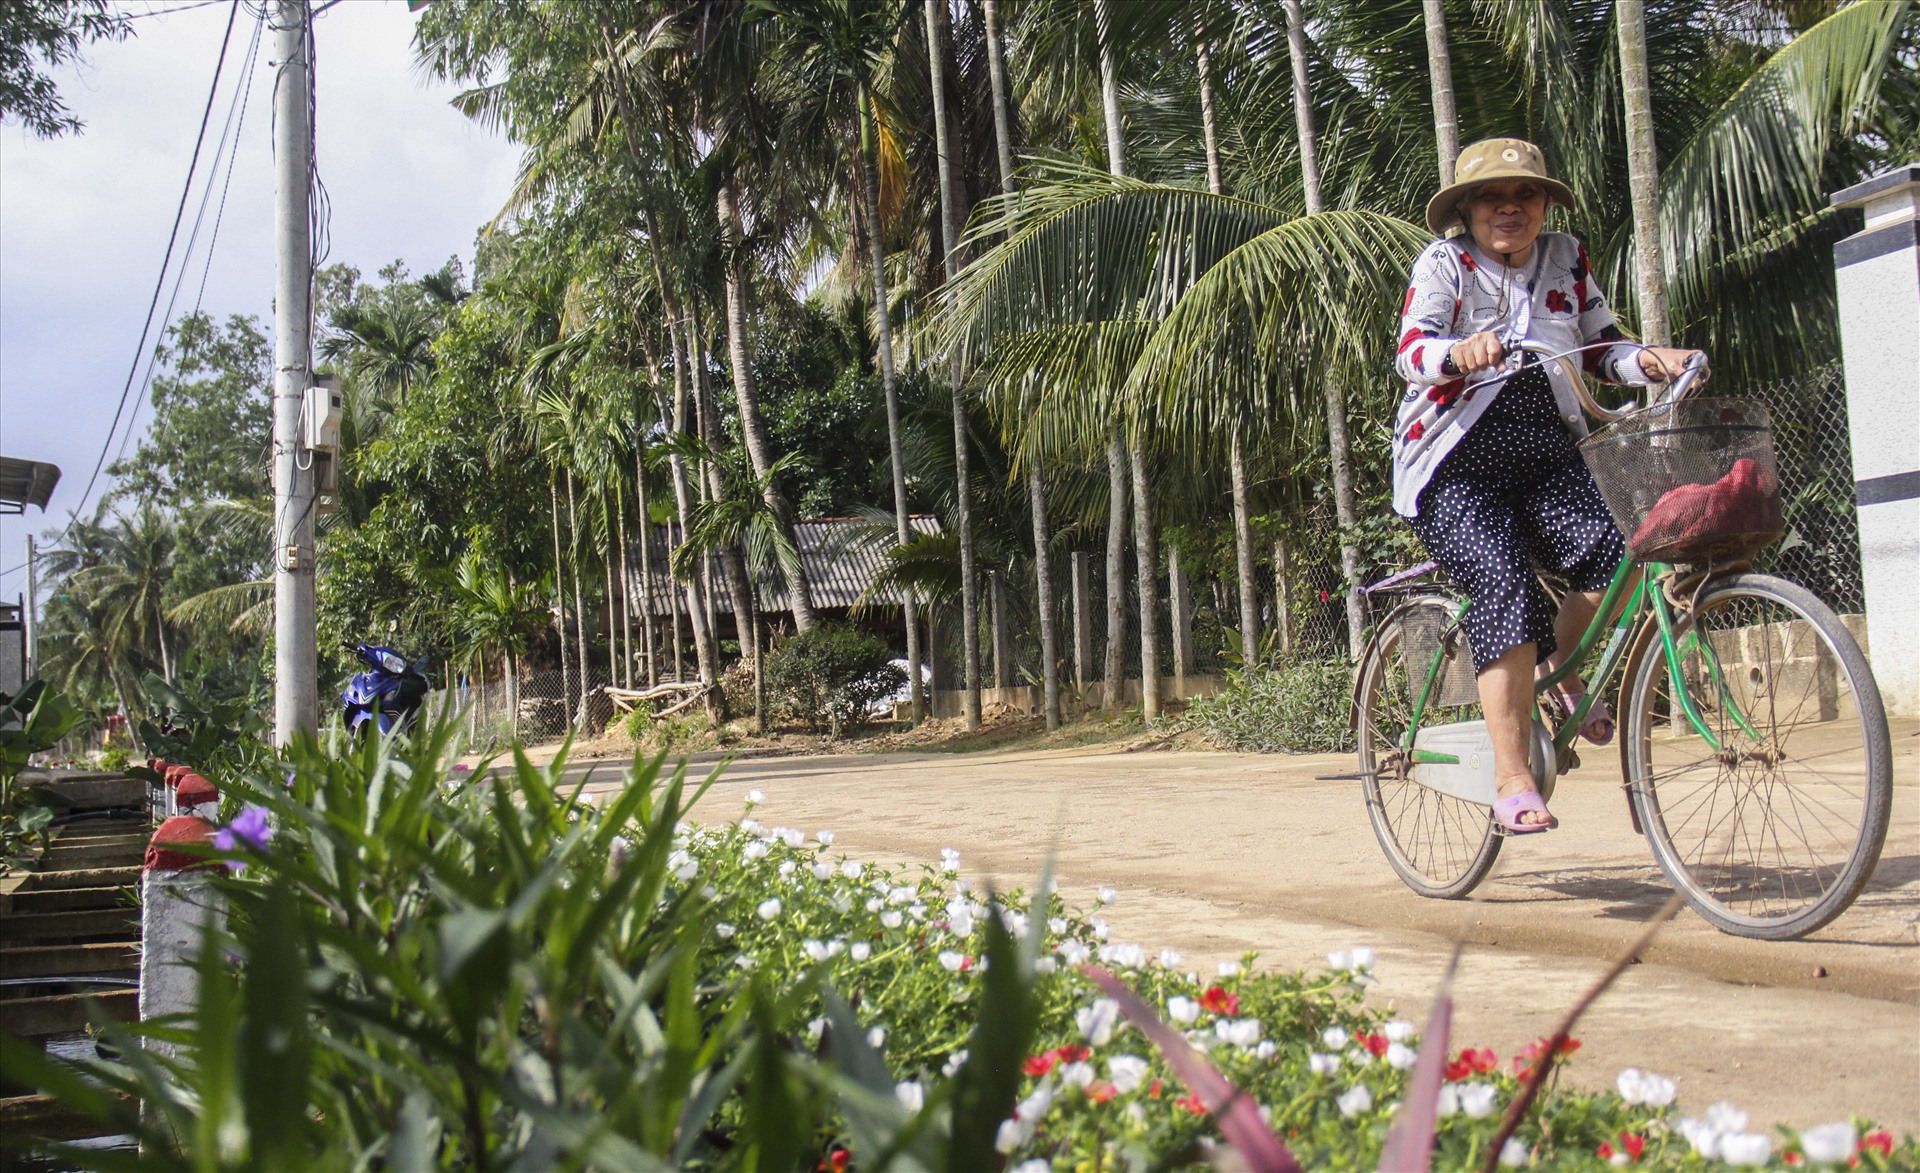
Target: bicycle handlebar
point(1677, 390)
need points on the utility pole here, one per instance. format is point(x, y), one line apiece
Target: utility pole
point(32, 609)
point(296, 707)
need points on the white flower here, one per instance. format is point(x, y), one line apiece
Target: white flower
point(768, 909)
point(1362, 957)
point(901, 895)
point(1644, 1087)
point(723, 930)
point(755, 796)
point(891, 918)
point(744, 961)
point(684, 866)
point(1477, 1099)
point(842, 905)
point(1399, 1056)
point(1101, 929)
point(1266, 1050)
point(861, 951)
point(1513, 1154)
point(1106, 894)
point(917, 911)
point(1746, 1148)
point(1073, 952)
point(1096, 1022)
point(1169, 958)
point(850, 869)
point(822, 870)
point(1057, 925)
point(1398, 1031)
point(787, 867)
point(1035, 1106)
point(1045, 965)
point(1701, 1135)
point(1340, 959)
point(952, 961)
point(1334, 1037)
point(825, 838)
point(875, 904)
point(1123, 955)
point(1137, 1114)
point(1182, 1010)
point(1724, 1117)
point(814, 950)
point(961, 925)
point(754, 850)
point(877, 1037)
point(949, 861)
point(1354, 1100)
point(791, 837)
point(1033, 1165)
point(1448, 1101)
point(1229, 968)
point(1241, 1032)
point(1014, 922)
point(1076, 1074)
point(1321, 1064)
point(1012, 1134)
point(1126, 1072)
point(751, 826)
point(1829, 1144)
point(954, 1063)
point(709, 892)
point(910, 1094)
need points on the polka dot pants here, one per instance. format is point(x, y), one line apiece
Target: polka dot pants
point(1513, 495)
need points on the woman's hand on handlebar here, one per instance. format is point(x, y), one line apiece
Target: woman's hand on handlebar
point(1479, 351)
point(1663, 364)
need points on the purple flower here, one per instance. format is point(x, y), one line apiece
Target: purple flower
point(250, 827)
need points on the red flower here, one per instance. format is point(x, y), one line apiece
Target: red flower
point(1072, 1053)
point(1323, 598)
point(1557, 302)
point(1154, 1088)
point(1467, 263)
point(1418, 430)
point(1530, 1054)
point(1633, 1144)
point(1375, 1044)
point(1604, 1152)
point(1038, 1065)
point(1793, 1158)
point(834, 1162)
point(1192, 1103)
point(1882, 1140)
point(1482, 1060)
point(1458, 1069)
point(1100, 1091)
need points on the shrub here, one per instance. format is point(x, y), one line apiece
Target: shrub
point(1297, 707)
point(831, 675)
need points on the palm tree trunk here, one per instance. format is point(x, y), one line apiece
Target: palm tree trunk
point(626, 596)
point(1446, 124)
point(950, 217)
point(1110, 89)
point(1237, 460)
point(1116, 664)
point(646, 564)
point(752, 426)
point(1043, 599)
point(1339, 450)
point(1146, 572)
point(1082, 623)
point(733, 566)
point(1643, 173)
point(613, 644)
point(997, 74)
point(579, 607)
point(160, 635)
point(703, 650)
point(877, 256)
point(559, 590)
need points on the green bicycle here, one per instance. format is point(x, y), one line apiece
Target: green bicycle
point(1753, 743)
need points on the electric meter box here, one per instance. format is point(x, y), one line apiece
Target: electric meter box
point(320, 413)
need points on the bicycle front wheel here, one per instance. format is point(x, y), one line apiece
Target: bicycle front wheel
point(1440, 845)
point(1773, 825)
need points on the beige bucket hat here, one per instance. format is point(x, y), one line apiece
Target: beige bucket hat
point(1494, 158)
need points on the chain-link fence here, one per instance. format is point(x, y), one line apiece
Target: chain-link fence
point(538, 705)
point(1821, 549)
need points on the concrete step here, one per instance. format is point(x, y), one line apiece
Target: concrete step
point(64, 900)
point(102, 958)
point(86, 790)
point(127, 876)
point(104, 852)
point(58, 926)
point(58, 1014)
point(45, 1118)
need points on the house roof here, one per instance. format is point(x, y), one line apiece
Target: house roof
point(26, 482)
point(842, 556)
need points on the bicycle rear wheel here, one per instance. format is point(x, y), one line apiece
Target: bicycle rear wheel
point(1773, 833)
point(1440, 845)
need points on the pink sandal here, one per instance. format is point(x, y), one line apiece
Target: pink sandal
point(1599, 725)
point(1507, 812)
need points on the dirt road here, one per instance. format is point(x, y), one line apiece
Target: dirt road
point(1215, 854)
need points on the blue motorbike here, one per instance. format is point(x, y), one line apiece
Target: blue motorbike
point(388, 695)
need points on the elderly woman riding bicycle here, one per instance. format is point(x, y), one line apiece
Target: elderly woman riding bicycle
point(1488, 473)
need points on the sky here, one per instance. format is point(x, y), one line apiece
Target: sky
point(84, 219)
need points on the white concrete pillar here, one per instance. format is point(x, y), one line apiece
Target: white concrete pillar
point(1877, 271)
point(178, 904)
point(197, 796)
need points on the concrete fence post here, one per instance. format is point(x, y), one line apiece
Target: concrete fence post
point(197, 796)
point(1877, 275)
point(178, 907)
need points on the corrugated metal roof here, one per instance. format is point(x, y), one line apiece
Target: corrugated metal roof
point(26, 482)
point(840, 565)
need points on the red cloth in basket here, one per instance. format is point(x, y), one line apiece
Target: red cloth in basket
point(1744, 501)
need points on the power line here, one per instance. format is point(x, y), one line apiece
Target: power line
point(160, 283)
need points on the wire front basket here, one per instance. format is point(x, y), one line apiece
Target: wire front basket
point(1425, 631)
point(1694, 481)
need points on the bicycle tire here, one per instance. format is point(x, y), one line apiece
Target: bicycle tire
point(1773, 836)
point(1441, 846)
